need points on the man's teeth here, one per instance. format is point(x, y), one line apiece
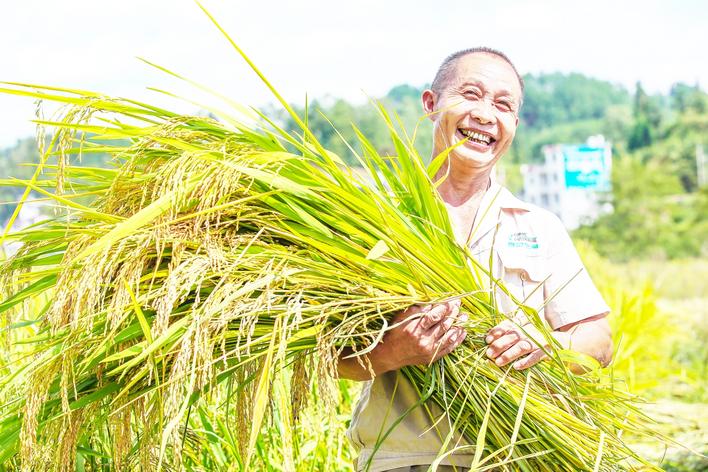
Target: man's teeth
point(477, 137)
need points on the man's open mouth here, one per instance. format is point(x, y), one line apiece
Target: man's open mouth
point(476, 137)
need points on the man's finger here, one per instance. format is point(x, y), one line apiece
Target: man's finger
point(519, 349)
point(532, 359)
point(499, 330)
point(454, 310)
point(412, 313)
point(450, 341)
point(502, 343)
point(433, 317)
point(441, 328)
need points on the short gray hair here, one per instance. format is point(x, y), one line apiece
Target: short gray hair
point(447, 68)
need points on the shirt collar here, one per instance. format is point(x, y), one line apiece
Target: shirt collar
point(506, 200)
point(496, 199)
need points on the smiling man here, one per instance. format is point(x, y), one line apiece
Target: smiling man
point(474, 105)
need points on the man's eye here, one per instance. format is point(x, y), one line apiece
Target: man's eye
point(504, 105)
point(472, 93)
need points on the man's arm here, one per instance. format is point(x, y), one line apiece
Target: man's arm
point(421, 335)
point(508, 343)
point(569, 294)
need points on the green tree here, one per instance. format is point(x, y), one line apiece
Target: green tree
point(568, 108)
point(552, 99)
point(647, 119)
point(686, 98)
point(651, 215)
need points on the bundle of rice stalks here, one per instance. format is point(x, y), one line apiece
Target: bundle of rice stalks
point(215, 253)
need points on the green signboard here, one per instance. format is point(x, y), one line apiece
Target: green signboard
point(586, 167)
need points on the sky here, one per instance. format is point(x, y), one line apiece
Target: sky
point(351, 49)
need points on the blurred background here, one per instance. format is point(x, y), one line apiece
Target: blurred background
point(613, 132)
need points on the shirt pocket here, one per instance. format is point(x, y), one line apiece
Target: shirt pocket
point(523, 275)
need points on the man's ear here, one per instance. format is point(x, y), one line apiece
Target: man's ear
point(428, 98)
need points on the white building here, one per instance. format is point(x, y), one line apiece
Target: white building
point(571, 181)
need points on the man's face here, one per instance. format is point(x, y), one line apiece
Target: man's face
point(479, 106)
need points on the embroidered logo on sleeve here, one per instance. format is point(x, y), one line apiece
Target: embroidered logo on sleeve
point(523, 240)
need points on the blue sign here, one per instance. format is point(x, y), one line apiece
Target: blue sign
point(586, 167)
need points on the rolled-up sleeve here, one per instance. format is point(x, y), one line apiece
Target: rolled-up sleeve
point(569, 292)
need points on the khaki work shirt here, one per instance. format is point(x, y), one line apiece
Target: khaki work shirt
point(530, 247)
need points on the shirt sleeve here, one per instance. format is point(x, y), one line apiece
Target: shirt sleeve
point(569, 293)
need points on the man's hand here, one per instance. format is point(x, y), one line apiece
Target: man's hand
point(508, 342)
point(427, 336)
point(421, 335)
point(511, 341)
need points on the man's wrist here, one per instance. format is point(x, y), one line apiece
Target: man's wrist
point(563, 338)
point(380, 360)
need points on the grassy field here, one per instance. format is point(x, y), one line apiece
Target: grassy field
point(666, 306)
point(681, 401)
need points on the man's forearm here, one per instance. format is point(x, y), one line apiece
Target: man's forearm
point(592, 337)
point(361, 368)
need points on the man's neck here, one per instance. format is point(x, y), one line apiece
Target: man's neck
point(462, 189)
point(462, 193)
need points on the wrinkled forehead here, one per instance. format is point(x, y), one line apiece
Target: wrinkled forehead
point(488, 70)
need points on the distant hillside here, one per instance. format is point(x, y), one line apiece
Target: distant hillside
point(556, 107)
point(11, 163)
point(18, 162)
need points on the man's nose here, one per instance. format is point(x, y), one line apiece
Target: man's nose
point(482, 111)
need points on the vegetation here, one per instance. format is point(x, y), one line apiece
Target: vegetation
point(16, 162)
point(658, 317)
point(210, 265)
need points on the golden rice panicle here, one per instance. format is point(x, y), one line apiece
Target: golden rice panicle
point(300, 384)
point(327, 370)
point(127, 281)
point(65, 138)
point(67, 439)
point(176, 286)
point(83, 289)
point(120, 425)
point(243, 404)
point(34, 454)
